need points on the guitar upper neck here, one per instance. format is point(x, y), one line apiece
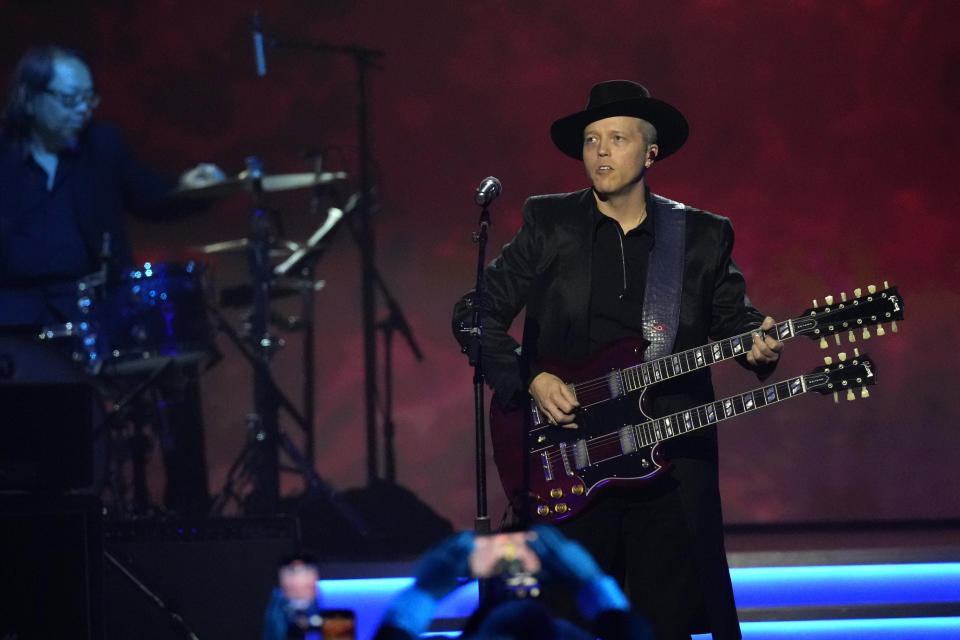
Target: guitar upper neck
point(676, 364)
point(872, 309)
point(654, 431)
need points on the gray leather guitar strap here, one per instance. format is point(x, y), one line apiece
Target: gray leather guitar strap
point(661, 300)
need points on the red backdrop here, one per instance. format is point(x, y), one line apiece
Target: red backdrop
point(826, 131)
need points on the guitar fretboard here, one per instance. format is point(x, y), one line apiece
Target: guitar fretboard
point(647, 373)
point(858, 313)
point(660, 429)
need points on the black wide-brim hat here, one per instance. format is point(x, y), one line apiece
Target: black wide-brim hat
point(621, 98)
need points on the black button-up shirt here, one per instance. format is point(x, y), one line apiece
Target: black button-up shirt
point(618, 280)
point(45, 240)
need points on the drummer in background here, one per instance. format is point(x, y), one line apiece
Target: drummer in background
point(65, 183)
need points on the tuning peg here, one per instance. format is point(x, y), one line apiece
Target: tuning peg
point(827, 360)
point(872, 289)
point(823, 343)
point(893, 326)
point(866, 333)
point(843, 296)
point(856, 352)
point(828, 300)
point(886, 285)
point(850, 395)
point(842, 356)
point(836, 337)
point(858, 292)
point(814, 302)
point(836, 398)
point(864, 392)
point(851, 337)
point(880, 330)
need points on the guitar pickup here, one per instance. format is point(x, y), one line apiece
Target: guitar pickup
point(615, 384)
point(628, 440)
point(581, 457)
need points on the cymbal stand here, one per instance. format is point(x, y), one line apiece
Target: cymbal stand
point(245, 466)
point(264, 497)
point(259, 461)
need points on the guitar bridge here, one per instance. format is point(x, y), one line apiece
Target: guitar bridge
point(536, 418)
point(566, 460)
point(547, 468)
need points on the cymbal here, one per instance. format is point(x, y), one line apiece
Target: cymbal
point(244, 183)
point(279, 248)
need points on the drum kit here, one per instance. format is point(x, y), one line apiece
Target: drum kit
point(138, 327)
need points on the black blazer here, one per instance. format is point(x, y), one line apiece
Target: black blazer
point(546, 270)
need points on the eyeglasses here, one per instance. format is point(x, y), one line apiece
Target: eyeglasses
point(73, 100)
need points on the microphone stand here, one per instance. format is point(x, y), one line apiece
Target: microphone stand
point(364, 59)
point(395, 321)
point(474, 349)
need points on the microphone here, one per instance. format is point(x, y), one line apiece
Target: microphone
point(488, 191)
point(258, 45)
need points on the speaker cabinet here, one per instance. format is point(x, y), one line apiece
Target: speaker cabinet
point(50, 561)
point(46, 436)
point(216, 575)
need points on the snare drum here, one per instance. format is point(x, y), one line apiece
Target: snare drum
point(157, 312)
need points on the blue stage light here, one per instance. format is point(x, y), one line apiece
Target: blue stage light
point(754, 587)
point(846, 584)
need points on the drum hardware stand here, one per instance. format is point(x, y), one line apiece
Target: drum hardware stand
point(262, 451)
point(138, 459)
point(244, 466)
point(259, 459)
point(305, 258)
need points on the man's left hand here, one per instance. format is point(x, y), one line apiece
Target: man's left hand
point(766, 349)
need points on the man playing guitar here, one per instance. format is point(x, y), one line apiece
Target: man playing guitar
point(610, 265)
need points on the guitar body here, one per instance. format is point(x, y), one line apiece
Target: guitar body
point(530, 454)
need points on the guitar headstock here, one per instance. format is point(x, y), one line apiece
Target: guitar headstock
point(843, 375)
point(854, 317)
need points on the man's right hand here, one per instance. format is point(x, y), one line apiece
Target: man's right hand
point(555, 399)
